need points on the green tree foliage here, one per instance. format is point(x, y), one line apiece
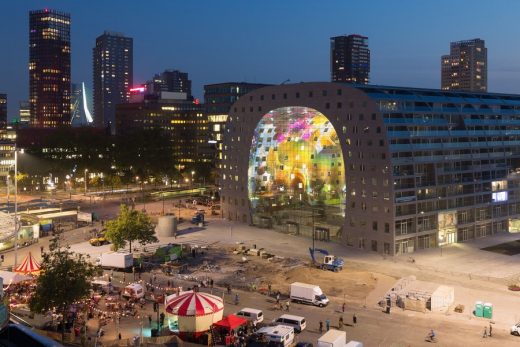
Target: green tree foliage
point(64, 279)
point(130, 226)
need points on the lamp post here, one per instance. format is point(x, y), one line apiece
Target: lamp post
point(192, 183)
point(441, 242)
point(15, 207)
point(85, 179)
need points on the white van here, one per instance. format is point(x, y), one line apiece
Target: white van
point(134, 291)
point(102, 286)
point(280, 335)
point(251, 314)
point(297, 322)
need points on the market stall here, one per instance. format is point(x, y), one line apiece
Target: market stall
point(227, 328)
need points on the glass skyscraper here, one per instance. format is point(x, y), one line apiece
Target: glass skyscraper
point(49, 68)
point(112, 76)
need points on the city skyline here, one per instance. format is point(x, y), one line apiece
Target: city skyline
point(400, 56)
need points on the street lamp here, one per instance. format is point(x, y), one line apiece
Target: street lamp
point(16, 206)
point(85, 179)
point(192, 183)
point(441, 242)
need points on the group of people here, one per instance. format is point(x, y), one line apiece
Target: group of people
point(341, 322)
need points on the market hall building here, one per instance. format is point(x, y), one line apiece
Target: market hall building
point(385, 169)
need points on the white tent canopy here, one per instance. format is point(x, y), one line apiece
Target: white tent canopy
point(12, 277)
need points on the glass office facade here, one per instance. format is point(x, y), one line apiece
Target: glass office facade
point(456, 164)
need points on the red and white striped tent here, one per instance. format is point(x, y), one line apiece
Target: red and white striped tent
point(195, 311)
point(28, 266)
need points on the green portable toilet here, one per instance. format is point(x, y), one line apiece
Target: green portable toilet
point(479, 309)
point(488, 310)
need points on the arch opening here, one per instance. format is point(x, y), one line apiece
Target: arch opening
point(296, 175)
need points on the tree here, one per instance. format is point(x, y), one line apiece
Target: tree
point(130, 226)
point(64, 279)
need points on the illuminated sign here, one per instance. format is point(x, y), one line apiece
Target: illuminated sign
point(140, 89)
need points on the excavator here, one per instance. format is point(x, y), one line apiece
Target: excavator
point(329, 262)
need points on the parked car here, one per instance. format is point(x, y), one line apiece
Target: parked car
point(98, 241)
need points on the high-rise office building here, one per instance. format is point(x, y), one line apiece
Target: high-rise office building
point(3, 111)
point(349, 59)
point(465, 68)
point(113, 76)
point(218, 99)
point(49, 68)
point(182, 120)
point(24, 116)
point(170, 81)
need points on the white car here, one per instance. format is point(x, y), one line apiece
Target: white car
point(515, 329)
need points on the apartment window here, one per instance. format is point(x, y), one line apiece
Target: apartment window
point(378, 130)
point(374, 245)
point(361, 116)
point(261, 97)
point(273, 97)
point(387, 228)
point(324, 93)
point(374, 195)
point(310, 94)
point(339, 105)
point(297, 95)
point(374, 226)
point(373, 116)
point(285, 95)
point(327, 105)
point(338, 91)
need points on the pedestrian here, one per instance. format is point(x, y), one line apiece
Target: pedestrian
point(490, 329)
point(340, 322)
point(321, 327)
point(343, 308)
point(287, 305)
point(485, 333)
point(327, 324)
point(278, 297)
point(150, 319)
point(269, 289)
point(229, 288)
point(119, 336)
point(354, 319)
point(41, 249)
point(168, 283)
point(193, 252)
point(236, 299)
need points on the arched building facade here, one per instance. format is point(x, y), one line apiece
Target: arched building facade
point(385, 169)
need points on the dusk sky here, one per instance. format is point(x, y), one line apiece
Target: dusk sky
point(271, 40)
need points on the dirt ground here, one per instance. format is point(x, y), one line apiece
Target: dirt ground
point(239, 270)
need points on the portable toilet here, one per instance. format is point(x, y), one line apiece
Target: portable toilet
point(488, 310)
point(479, 309)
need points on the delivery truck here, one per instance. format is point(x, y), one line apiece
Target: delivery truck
point(333, 338)
point(308, 294)
point(116, 260)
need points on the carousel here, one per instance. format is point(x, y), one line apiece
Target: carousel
point(29, 266)
point(191, 314)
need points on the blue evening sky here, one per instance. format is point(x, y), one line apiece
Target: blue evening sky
point(271, 40)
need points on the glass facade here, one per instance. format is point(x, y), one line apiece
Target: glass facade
point(456, 162)
point(296, 172)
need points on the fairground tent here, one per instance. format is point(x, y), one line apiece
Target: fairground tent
point(28, 266)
